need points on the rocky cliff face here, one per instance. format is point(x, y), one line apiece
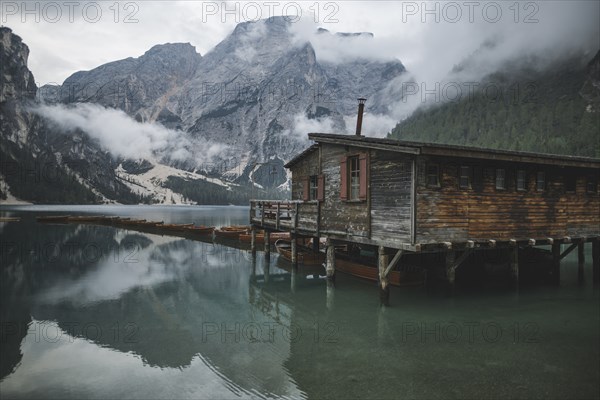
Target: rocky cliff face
point(39, 163)
point(17, 87)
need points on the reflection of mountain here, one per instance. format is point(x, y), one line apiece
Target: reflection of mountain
point(182, 300)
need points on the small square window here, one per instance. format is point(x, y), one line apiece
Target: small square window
point(433, 175)
point(521, 180)
point(465, 178)
point(541, 181)
point(500, 179)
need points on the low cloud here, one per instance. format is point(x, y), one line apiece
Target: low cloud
point(124, 137)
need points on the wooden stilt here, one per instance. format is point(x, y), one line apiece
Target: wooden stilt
point(580, 260)
point(514, 264)
point(267, 268)
point(555, 263)
point(330, 268)
point(450, 263)
point(315, 243)
point(384, 289)
point(330, 294)
point(596, 261)
point(253, 241)
point(294, 242)
point(267, 244)
point(293, 279)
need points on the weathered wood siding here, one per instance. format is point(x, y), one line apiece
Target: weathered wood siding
point(449, 213)
point(307, 167)
point(391, 193)
point(340, 217)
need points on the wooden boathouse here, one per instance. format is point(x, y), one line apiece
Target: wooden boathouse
point(408, 197)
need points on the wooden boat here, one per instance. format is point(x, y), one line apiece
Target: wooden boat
point(150, 224)
point(362, 269)
point(53, 218)
point(200, 230)
point(176, 227)
point(132, 222)
point(260, 237)
point(10, 219)
point(231, 232)
point(86, 218)
point(305, 254)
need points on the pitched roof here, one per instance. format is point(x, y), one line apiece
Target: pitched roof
point(422, 148)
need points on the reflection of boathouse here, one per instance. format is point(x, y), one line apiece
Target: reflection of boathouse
point(403, 198)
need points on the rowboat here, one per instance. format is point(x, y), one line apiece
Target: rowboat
point(150, 224)
point(10, 219)
point(86, 218)
point(131, 222)
point(176, 227)
point(53, 218)
point(362, 269)
point(305, 255)
point(260, 237)
point(231, 232)
point(200, 230)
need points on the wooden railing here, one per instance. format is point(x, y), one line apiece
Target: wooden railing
point(286, 215)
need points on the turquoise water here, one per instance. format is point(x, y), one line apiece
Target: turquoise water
point(100, 312)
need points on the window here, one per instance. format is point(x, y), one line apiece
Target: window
point(313, 186)
point(570, 183)
point(521, 180)
point(433, 175)
point(478, 178)
point(500, 179)
point(592, 184)
point(354, 178)
point(465, 178)
point(540, 181)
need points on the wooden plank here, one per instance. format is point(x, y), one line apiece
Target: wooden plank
point(568, 250)
point(394, 261)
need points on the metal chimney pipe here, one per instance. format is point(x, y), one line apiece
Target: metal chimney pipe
point(361, 109)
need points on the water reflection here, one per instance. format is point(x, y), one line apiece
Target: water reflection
point(95, 311)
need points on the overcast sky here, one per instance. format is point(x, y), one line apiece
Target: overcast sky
point(65, 37)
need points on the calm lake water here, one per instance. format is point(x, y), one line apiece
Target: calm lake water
point(101, 312)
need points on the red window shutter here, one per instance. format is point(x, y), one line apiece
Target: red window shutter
point(344, 179)
point(306, 189)
point(321, 188)
point(363, 165)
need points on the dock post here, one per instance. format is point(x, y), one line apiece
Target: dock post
point(514, 264)
point(266, 269)
point(253, 241)
point(294, 244)
point(580, 260)
point(384, 289)
point(596, 260)
point(267, 244)
point(450, 270)
point(293, 279)
point(555, 263)
point(330, 267)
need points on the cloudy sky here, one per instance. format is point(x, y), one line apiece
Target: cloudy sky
point(65, 37)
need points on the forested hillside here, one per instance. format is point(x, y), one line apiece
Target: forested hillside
point(555, 111)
